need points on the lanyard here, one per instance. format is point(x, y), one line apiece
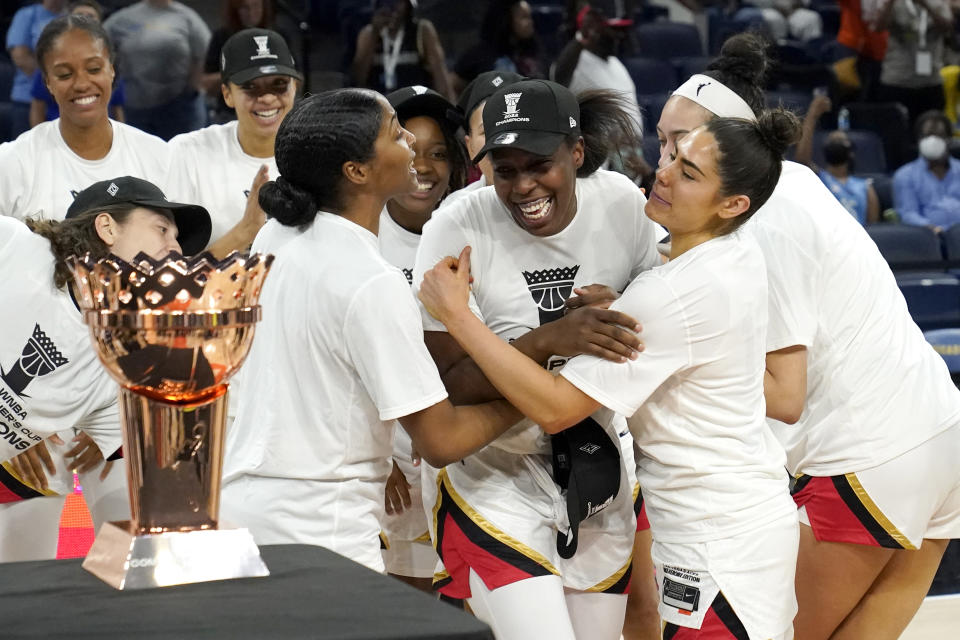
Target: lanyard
point(922, 17)
point(391, 55)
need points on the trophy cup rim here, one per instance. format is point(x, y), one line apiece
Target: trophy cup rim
point(160, 320)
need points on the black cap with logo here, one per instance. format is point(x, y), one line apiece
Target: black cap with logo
point(193, 221)
point(532, 115)
point(254, 53)
point(418, 100)
point(482, 87)
point(586, 463)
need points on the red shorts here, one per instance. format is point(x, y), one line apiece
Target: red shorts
point(719, 623)
point(463, 545)
point(839, 510)
point(640, 509)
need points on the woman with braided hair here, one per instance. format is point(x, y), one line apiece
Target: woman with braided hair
point(339, 355)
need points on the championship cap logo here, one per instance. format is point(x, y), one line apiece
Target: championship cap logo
point(506, 138)
point(497, 81)
point(511, 99)
point(112, 189)
point(419, 89)
point(573, 122)
point(263, 48)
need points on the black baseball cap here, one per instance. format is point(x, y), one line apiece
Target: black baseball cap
point(417, 100)
point(254, 53)
point(586, 462)
point(193, 221)
point(532, 115)
point(482, 87)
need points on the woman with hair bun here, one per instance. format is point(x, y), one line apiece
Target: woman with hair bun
point(724, 528)
point(339, 355)
point(875, 475)
point(555, 239)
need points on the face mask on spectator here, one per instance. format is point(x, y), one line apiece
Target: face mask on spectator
point(836, 152)
point(933, 147)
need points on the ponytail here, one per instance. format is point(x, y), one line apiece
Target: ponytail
point(607, 124)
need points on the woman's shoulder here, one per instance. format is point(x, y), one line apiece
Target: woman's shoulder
point(214, 135)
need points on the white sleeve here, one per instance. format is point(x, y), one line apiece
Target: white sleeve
point(442, 237)
point(649, 233)
point(13, 185)
point(387, 349)
point(624, 387)
point(792, 281)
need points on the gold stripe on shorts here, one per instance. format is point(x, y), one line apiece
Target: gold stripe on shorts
point(876, 513)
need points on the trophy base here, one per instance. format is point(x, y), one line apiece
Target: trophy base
point(127, 561)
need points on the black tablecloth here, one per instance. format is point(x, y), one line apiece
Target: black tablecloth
point(311, 593)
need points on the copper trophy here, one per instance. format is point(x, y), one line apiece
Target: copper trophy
point(172, 332)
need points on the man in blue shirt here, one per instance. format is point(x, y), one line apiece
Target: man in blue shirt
point(926, 192)
point(22, 37)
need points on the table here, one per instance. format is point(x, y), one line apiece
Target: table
point(311, 593)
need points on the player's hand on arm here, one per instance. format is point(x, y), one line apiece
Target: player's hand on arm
point(550, 401)
point(397, 496)
point(242, 234)
point(785, 383)
point(592, 295)
point(85, 456)
point(32, 465)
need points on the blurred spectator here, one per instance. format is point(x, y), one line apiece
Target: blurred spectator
point(237, 16)
point(22, 37)
point(926, 192)
point(911, 68)
point(589, 61)
point(863, 44)
point(399, 50)
point(161, 45)
point(508, 42)
point(42, 105)
point(786, 19)
point(857, 195)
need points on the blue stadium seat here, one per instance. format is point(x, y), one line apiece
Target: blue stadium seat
point(933, 296)
point(869, 155)
point(665, 40)
point(6, 121)
point(946, 342)
point(650, 75)
point(7, 71)
point(883, 185)
point(689, 66)
point(796, 101)
point(891, 122)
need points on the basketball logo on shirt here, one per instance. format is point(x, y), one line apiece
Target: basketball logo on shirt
point(38, 358)
point(550, 289)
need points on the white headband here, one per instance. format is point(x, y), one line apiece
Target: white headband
point(715, 97)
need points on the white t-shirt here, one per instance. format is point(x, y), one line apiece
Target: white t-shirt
point(467, 190)
point(875, 387)
point(338, 356)
point(521, 281)
point(51, 379)
point(209, 167)
point(40, 174)
point(594, 72)
point(398, 245)
point(710, 468)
